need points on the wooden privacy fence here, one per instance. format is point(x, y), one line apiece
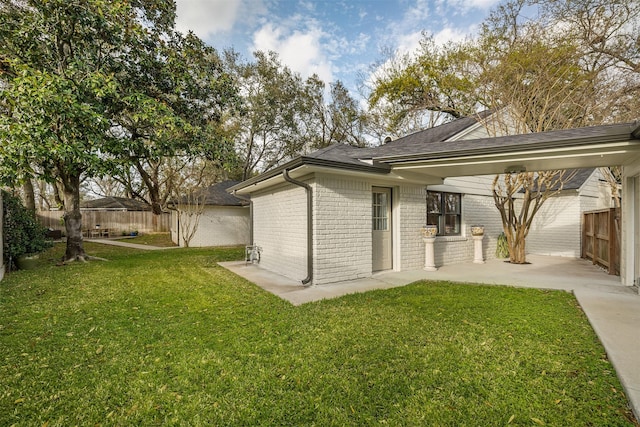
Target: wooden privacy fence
point(117, 221)
point(600, 242)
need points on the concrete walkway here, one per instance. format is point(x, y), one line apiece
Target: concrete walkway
point(612, 309)
point(129, 245)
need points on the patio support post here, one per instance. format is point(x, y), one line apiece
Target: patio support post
point(477, 249)
point(429, 254)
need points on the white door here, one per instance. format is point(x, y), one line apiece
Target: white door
point(381, 229)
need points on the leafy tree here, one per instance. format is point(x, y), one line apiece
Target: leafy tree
point(437, 84)
point(76, 92)
point(284, 115)
point(173, 98)
point(269, 129)
point(341, 121)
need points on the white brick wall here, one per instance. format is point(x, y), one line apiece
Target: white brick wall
point(448, 250)
point(412, 216)
point(280, 228)
point(476, 210)
point(342, 229)
point(556, 229)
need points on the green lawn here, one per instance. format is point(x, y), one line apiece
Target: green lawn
point(168, 337)
point(162, 240)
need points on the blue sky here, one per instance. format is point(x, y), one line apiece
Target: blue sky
point(339, 39)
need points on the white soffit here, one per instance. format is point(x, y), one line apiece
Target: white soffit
point(614, 154)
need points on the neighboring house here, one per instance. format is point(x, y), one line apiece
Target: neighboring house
point(111, 203)
point(344, 213)
point(225, 220)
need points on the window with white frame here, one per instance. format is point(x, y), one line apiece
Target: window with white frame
point(444, 210)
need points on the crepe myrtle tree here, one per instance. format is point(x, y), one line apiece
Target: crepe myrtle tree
point(518, 197)
point(68, 77)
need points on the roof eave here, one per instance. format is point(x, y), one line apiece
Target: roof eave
point(310, 161)
point(622, 134)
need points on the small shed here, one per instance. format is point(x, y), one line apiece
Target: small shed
point(225, 220)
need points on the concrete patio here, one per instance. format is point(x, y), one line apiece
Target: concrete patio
point(612, 309)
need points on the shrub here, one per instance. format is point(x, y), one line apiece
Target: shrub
point(23, 235)
point(502, 248)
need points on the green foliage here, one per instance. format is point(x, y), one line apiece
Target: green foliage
point(23, 235)
point(585, 74)
point(502, 246)
point(93, 87)
point(171, 338)
point(284, 115)
point(437, 82)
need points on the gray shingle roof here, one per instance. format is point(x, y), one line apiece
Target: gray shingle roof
point(574, 182)
point(217, 195)
point(417, 140)
point(414, 143)
point(578, 179)
point(435, 143)
point(445, 149)
point(112, 202)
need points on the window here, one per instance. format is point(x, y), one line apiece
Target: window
point(380, 212)
point(444, 210)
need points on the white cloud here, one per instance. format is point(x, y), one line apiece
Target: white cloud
point(407, 43)
point(211, 17)
point(465, 5)
point(299, 50)
point(481, 4)
point(418, 13)
point(205, 17)
point(449, 34)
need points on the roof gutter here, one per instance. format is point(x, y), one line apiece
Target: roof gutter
point(307, 188)
point(310, 161)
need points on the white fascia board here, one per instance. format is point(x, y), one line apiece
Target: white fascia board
point(394, 177)
point(533, 160)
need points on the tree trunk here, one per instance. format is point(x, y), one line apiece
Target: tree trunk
point(73, 220)
point(517, 247)
point(29, 195)
point(41, 192)
point(151, 182)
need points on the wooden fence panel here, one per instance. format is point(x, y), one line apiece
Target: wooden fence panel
point(118, 221)
point(600, 242)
